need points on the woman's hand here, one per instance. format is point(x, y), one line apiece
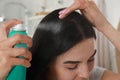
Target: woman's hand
point(89, 10)
point(77, 5)
point(8, 54)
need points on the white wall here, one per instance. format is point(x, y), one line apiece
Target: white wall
point(113, 7)
point(113, 11)
point(35, 5)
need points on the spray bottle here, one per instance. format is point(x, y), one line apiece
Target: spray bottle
point(18, 72)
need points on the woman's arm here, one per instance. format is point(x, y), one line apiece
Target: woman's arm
point(93, 14)
point(108, 75)
point(112, 34)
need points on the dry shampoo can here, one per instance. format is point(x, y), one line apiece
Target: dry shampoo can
point(18, 72)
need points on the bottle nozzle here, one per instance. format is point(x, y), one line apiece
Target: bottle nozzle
point(19, 27)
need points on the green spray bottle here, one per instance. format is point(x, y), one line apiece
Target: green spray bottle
point(18, 72)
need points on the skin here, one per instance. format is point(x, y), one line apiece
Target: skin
point(75, 64)
point(8, 54)
point(93, 14)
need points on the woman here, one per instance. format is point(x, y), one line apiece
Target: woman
point(64, 49)
point(84, 63)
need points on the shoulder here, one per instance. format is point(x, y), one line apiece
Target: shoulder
point(109, 75)
point(97, 73)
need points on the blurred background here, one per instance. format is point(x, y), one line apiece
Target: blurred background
point(32, 11)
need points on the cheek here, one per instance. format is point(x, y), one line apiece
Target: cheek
point(64, 74)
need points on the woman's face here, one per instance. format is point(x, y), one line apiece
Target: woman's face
point(75, 64)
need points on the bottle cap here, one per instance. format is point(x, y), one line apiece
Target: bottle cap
point(19, 27)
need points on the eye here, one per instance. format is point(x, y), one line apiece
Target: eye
point(72, 67)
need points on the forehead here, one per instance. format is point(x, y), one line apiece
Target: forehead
point(82, 50)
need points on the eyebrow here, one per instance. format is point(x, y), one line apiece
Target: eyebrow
point(76, 62)
point(72, 62)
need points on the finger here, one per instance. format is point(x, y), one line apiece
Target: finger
point(3, 34)
point(65, 12)
point(19, 61)
point(10, 55)
point(16, 39)
point(14, 52)
point(11, 23)
point(21, 39)
point(4, 29)
point(25, 53)
point(78, 4)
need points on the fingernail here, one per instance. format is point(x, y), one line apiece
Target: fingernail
point(61, 16)
point(28, 65)
point(62, 13)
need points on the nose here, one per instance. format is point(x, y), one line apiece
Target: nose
point(84, 72)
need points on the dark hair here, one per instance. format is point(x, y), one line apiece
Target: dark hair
point(53, 37)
